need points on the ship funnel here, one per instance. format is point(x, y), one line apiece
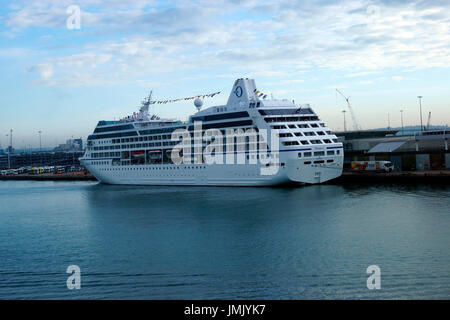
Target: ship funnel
point(243, 92)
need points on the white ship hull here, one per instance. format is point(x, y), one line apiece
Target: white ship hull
point(293, 171)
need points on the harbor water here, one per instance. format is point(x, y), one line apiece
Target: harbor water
point(311, 242)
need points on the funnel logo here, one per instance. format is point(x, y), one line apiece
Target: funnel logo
point(238, 91)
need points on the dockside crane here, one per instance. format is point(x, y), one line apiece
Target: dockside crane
point(347, 99)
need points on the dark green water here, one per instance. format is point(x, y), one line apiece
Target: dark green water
point(310, 242)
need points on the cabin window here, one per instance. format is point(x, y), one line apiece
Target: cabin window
point(319, 153)
point(285, 135)
point(290, 143)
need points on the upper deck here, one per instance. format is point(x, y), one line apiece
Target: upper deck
point(297, 125)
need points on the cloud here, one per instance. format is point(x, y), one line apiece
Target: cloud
point(45, 70)
point(143, 39)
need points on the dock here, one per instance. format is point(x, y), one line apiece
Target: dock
point(430, 176)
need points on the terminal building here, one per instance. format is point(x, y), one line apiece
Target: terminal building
point(427, 150)
point(70, 145)
point(37, 159)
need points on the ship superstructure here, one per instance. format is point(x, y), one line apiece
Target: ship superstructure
point(253, 142)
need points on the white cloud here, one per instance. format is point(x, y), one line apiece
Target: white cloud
point(365, 82)
point(45, 70)
point(274, 39)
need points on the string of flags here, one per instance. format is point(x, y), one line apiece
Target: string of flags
point(260, 94)
point(209, 95)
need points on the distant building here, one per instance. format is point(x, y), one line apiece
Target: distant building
point(428, 150)
point(71, 145)
point(41, 159)
point(9, 150)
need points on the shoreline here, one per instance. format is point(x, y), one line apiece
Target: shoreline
point(432, 176)
point(436, 176)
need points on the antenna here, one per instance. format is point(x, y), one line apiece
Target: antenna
point(347, 99)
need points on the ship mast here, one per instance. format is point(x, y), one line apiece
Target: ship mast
point(146, 103)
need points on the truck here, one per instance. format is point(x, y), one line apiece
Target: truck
point(374, 166)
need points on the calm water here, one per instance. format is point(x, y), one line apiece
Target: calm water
point(223, 243)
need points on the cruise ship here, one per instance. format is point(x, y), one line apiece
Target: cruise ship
point(250, 141)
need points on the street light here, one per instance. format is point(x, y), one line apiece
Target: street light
point(401, 119)
point(8, 149)
point(345, 126)
point(73, 153)
point(40, 147)
point(40, 141)
point(420, 104)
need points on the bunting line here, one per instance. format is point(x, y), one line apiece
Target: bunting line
point(260, 94)
point(209, 95)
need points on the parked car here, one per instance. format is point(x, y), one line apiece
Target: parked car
point(375, 166)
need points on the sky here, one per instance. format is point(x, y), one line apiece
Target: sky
point(62, 78)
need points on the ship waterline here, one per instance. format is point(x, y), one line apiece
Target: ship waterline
point(251, 141)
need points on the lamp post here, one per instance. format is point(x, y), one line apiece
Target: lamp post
point(345, 125)
point(73, 153)
point(401, 119)
point(8, 149)
point(420, 106)
point(40, 141)
point(40, 147)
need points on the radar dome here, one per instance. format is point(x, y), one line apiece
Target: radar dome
point(198, 103)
